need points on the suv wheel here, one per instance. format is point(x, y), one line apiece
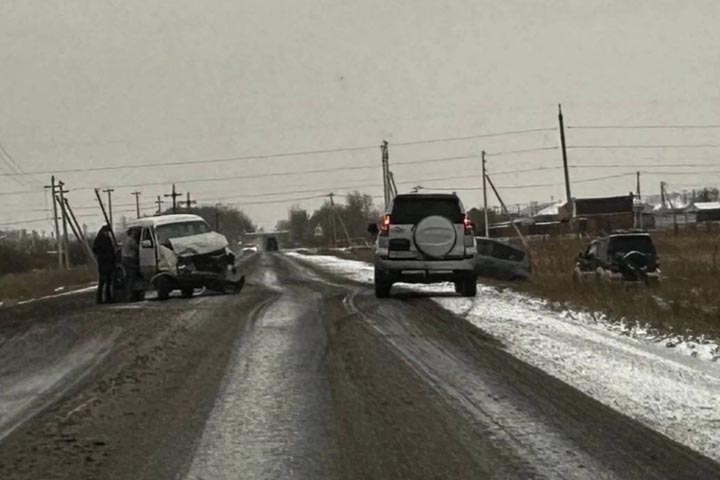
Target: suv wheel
point(383, 284)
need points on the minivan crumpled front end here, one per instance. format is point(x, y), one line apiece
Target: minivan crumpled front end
point(204, 257)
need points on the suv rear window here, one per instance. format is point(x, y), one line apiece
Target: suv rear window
point(410, 210)
point(625, 244)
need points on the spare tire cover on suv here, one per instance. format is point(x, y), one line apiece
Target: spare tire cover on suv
point(435, 236)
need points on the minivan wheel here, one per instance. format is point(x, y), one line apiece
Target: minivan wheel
point(163, 288)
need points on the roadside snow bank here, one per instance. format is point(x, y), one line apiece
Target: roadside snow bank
point(673, 390)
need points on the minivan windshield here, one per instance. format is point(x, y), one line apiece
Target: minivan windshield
point(178, 230)
point(410, 210)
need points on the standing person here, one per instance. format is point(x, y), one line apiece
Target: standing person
point(104, 249)
point(130, 257)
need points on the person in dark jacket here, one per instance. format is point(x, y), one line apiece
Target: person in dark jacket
point(104, 249)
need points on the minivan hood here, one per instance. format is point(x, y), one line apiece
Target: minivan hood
point(198, 244)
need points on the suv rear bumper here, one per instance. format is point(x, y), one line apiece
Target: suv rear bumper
point(426, 271)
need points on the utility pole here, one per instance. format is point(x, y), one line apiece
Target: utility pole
point(137, 202)
point(55, 221)
point(342, 223)
point(506, 212)
point(565, 161)
point(109, 191)
point(217, 216)
point(189, 203)
point(174, 195)
point(662, 194)
point(332, 218)
point(485, 205)
point(159, 203)
point(386, 186)
point(66, 241)
point(105, 215)
point(78, 232)
point(640, 209)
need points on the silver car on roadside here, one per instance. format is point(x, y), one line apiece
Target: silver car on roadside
point(501, 261)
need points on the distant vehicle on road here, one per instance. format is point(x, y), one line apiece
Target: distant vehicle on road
point(501, 261)
point(271, 244)
point(425, 238)
point(619, 257)
point(179, 252)
point(249, 250)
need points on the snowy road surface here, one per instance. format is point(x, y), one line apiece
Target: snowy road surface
point(676, 394)
point(306, 375)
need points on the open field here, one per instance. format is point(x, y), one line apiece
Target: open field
point(39, 283)
point(686, 300)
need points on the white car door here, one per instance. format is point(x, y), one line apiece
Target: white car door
point(148, 257)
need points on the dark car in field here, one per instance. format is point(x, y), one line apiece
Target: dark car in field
point(619, 257)
point(496, 259)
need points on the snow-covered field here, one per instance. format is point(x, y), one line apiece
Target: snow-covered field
point(669, 384)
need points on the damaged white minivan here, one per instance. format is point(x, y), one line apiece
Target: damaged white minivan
point(178, 252)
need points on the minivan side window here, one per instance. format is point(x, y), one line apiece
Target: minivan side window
point(147, 235)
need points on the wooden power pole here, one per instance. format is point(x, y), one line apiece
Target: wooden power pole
point(565, 161)
point(137, 202)
point(188, 203)
point(58, 246)
point(386, 183)
point(174, 195)
point(109, 192)
point(66, 242)
point(485, 205)
point(159, 202)
point(332, 218)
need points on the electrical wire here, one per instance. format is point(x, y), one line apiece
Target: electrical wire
point(613, 147)
point(269, 156)
point(473, 137)
point(276, 174)
point(519, 152)
point(639, 127)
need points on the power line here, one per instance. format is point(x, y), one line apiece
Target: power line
point(20, 192)
point(612, 147)
point(473, 137)
point(521, 151)
point(640, 127)
point(269, 156)
point(274, 174)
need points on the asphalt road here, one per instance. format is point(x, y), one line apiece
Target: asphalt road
point(301, 376)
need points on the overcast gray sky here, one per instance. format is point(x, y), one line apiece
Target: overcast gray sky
point(89, 84)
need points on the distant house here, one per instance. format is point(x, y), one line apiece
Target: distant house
point(550, 213)
point(705, 211)
point(600, 214)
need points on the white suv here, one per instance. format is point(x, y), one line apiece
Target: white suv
point(425, 238)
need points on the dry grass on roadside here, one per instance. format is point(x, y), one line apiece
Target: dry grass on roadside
point(688, 299)
point(39, 283)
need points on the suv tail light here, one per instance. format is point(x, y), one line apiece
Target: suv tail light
point(469, 226)
point(385, 226)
